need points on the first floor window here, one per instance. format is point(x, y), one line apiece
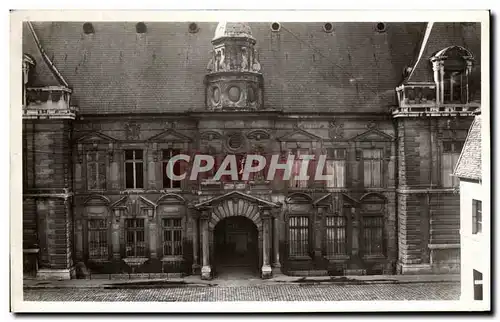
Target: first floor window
point(297, 165)
point(167, 182)
point(336, 238)
point(134, 168)
point(135, 239)
point(172, 236)
point(298, 236)
point(451, 153)
point(372, 165)
point(373, 235)
point(477, 216)
point(335, 167)
point(96, 170)
point(98, 238)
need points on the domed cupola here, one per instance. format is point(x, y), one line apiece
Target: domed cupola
point(234, 81)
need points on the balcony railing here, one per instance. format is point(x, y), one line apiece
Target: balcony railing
point(51, 102)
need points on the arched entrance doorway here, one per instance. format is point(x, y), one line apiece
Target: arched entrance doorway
point(236, 246)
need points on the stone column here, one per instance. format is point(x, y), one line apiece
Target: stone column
point(196, 246)
point(276, 246)
point(266, 244)
point(318, 233)
point(115, 234)
point(206, 270)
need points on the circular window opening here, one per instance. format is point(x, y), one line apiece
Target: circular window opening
point(380, 27)
point(234, 93)
point(193, 27)
point(88, 28)
point(235, 141)
point(328, 27)
point(275, 26)
point(216, 94)
point(141, 28)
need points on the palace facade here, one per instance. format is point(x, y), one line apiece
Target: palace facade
point(107, 104)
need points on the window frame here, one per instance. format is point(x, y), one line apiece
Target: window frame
point(106, 230)
point(334, 158)
point(172, 229)
point(164, 162)
point(381, 160)
point(134, 161)
point(135, 230)
point(105, 162)
point(308, 248)
point(453, 152)
point(477, 221)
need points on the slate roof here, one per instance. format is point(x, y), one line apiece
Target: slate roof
point(469, 162)
point(116, 70)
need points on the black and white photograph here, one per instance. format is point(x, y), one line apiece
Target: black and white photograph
point(179, 162)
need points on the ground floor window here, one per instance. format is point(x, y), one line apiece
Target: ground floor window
point(478, 285)
point(373, 235)
point(172, 236)
point(298, 236)
point(336, 239)
point(135, 238)
point(98, 239)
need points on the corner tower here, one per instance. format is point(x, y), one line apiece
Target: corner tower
point(234, 80)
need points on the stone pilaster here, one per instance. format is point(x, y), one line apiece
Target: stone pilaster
point(266, 243)
point(206, 269)
point(196, 244)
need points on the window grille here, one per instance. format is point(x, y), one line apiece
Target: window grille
point(336, 238)
point(298, 236)
point(172, 236)
point(98, 239)
point(135, 239)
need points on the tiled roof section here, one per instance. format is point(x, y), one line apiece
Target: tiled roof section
point(469, 162)
point(446, 34)
point(116, 70)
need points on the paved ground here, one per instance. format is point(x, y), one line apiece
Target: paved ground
point(275, 292)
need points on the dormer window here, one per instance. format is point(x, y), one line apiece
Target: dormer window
point(452, 67)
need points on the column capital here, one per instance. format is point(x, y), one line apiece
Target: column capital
point(265, 212)
point(205, 212)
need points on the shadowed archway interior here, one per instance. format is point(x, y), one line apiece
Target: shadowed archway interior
point(236, 241)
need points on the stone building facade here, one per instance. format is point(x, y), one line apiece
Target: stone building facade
point(106, 105)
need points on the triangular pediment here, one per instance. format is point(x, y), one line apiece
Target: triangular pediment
point(133, 204)
point(373, 135)
point(95, 137)
point(236, 195)
point(299, 135)
point(328, 200)
point(170, 136)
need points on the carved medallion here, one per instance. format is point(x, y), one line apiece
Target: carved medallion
point(132, 130)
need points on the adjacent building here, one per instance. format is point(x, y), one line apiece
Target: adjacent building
point(107, 104)
point(474, 226)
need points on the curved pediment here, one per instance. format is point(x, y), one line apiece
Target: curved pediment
point(170, 198)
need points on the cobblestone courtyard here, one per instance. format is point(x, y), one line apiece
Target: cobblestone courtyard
point(287, 292)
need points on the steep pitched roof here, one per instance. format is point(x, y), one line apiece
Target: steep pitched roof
point(469, 162)
point(116, 70)
point(45, 73)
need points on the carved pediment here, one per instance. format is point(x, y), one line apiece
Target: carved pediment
point(133, 205)
point(95, 137)
point(299, 135)
point(258, 135)
point(169, 135)
point(170, 198)
point(373, 135)
point(299, 197)
point(373, 197)
point(97, 200)
point(235, 195)
point(210, 135)
point(330, 200)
